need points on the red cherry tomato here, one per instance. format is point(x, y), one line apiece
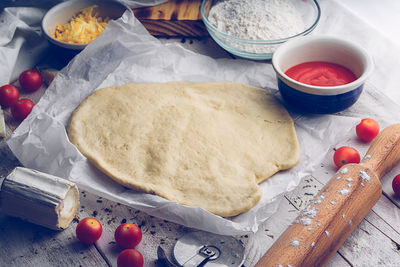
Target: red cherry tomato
point(130, 258)
point(9, 94)
point(396, 185)
point(21, 109)
point(89, 230)
point(367, 130)
point(30, 80)
point(346, 155)
point(128, 235)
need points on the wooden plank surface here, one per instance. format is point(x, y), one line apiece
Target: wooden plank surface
point(173, 18)
point(27, 243)
point(374, 243)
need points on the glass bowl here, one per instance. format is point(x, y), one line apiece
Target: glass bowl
point(260, 49)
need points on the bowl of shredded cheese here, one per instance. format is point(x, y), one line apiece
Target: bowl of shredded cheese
point(254, 29)
point(74, 24)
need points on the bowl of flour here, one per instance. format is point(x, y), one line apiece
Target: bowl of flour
point(254, 29)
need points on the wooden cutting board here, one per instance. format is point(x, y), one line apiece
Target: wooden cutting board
point(173, 18)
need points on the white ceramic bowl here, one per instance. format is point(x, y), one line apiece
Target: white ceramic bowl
point(321, 99)
point(62, 13)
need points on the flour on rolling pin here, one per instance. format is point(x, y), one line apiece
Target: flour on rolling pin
point(315, 228)
point(39, 198)
point(311, 211)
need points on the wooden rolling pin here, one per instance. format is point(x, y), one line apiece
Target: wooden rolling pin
point(333, 214)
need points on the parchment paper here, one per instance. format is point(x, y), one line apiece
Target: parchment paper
point(126, 53)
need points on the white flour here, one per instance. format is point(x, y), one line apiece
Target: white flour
point(256, 20)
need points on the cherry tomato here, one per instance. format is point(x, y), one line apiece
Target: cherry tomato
point(396, 185)
point(89, 230)
point(30, 80)
point(9, 94)
point(128, 235)
point(21, 109)
point(346, 155)
point(367, 130)
point(130, 258)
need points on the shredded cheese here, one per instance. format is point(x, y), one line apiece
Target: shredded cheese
point(83, 28)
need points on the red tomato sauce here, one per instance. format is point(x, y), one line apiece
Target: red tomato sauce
point(320, 73)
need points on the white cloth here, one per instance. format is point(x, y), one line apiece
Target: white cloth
point(21, 45)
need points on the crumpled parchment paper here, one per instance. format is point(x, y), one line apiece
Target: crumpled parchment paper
point(126, 53)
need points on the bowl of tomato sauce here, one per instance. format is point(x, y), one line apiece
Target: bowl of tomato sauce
point(321, 74)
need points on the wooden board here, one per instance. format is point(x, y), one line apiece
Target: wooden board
point(376, 242)
point(23, 243)
point(173, 18)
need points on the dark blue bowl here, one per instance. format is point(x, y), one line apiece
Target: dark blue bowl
point(322, 104)
point(321, 99)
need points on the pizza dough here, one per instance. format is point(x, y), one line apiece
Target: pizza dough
point(199, 144)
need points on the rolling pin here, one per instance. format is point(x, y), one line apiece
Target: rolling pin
point(322, 227)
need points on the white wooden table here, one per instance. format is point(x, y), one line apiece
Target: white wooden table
point(375, 242)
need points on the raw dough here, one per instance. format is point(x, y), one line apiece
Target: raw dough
point(199, 144)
